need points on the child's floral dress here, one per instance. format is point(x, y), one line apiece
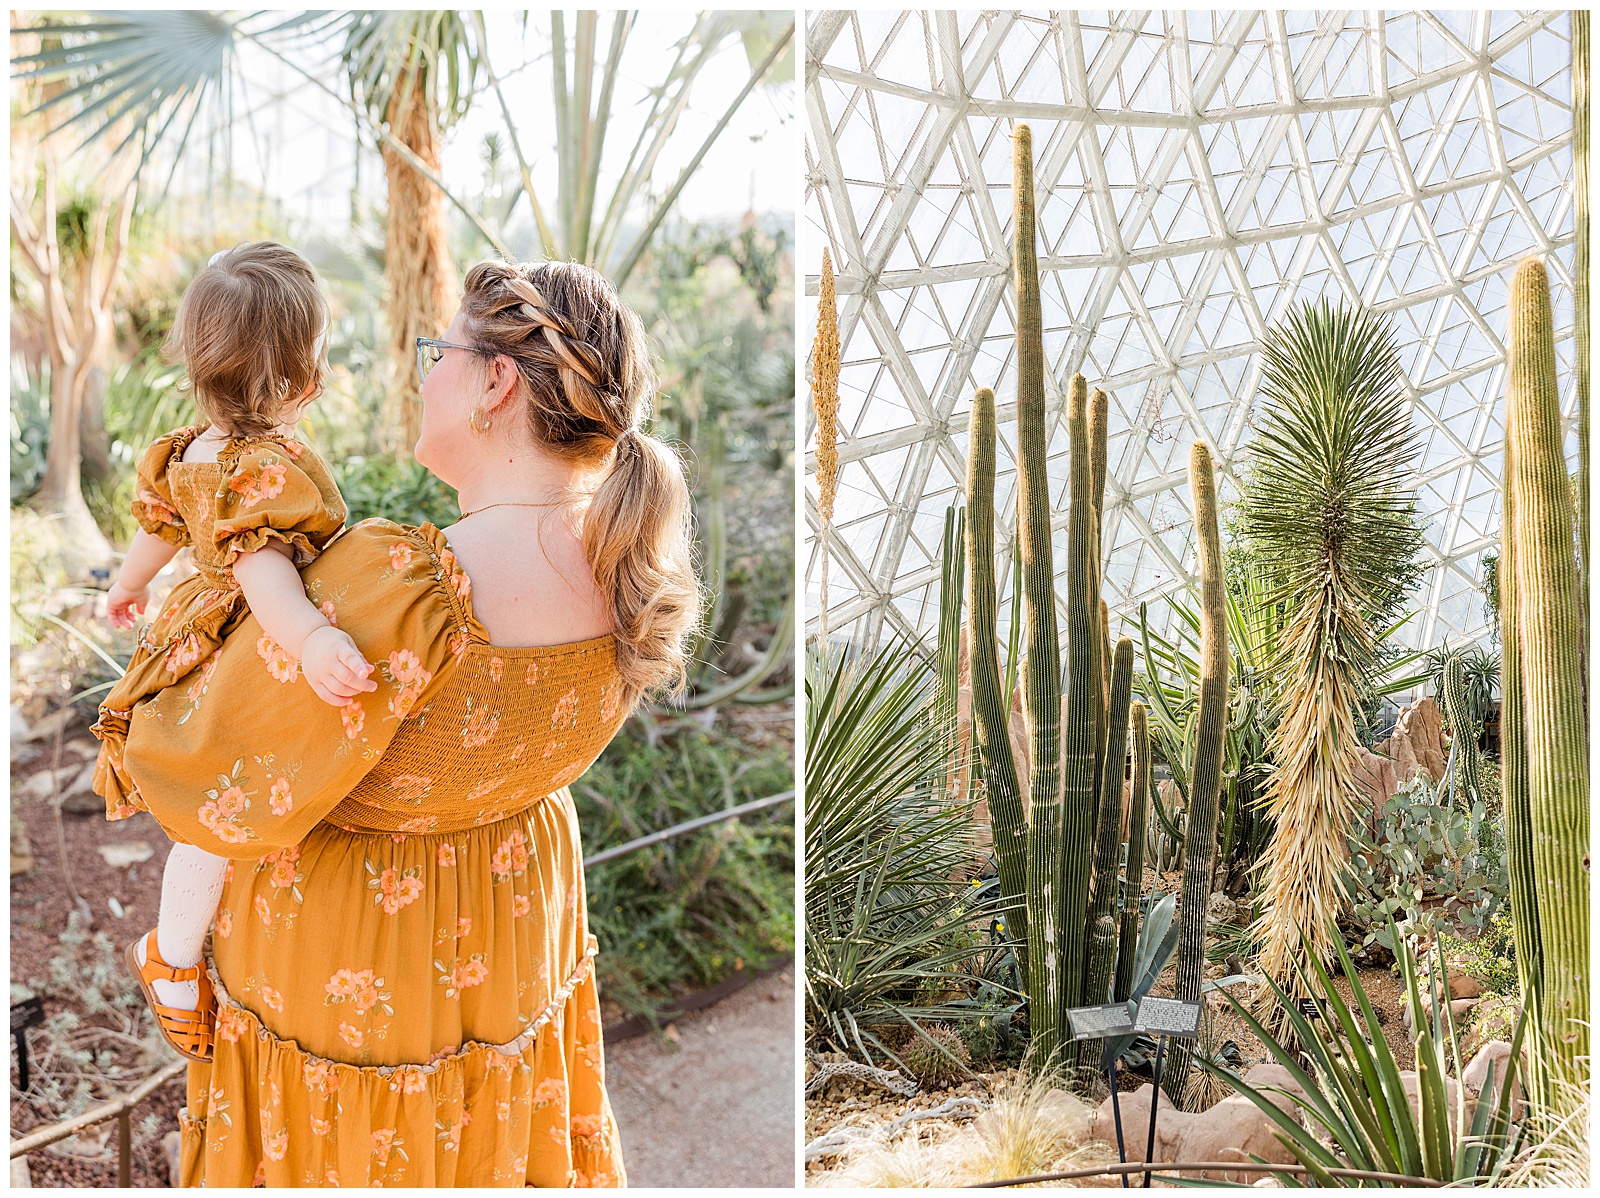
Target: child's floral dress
point(259, 489)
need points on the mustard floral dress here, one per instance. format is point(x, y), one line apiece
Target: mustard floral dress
point(401, 956)
point(259, 489)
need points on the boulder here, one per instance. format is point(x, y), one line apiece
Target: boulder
point(1464, 985)
point(1233, 1130)
point(1135, 1107)
point(1271, 1074)
point(1473, 1077)
point(1417, 743)
point(1221, 909)
point(1374, 777)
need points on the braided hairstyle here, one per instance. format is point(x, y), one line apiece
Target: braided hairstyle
point(586, 364)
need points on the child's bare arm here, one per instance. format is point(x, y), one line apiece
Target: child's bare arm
point(130, 594)
point(332, 663)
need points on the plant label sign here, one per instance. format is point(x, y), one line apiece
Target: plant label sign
point(27, 1013)
point(1096, 1023)
point(1311, 1008)
point(1168, 1017)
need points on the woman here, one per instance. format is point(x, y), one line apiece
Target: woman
point(401, 958)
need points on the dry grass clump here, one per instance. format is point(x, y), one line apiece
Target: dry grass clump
point(1032, 1128)
point(1560, 1159)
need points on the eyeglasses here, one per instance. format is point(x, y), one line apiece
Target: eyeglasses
point(430, 351)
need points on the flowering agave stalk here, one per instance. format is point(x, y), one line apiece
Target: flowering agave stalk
point(1329, 514)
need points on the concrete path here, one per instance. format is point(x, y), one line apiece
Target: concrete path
point(719, 1108)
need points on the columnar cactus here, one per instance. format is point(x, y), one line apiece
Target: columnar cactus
point(1463, 728)
point(991, 702)
point(1551, 709)
point(1200, 839)
point(1102, 927)
point(1042, 676)
point(1580, 284)
point(1138, 802)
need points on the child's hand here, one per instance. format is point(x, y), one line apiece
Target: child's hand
point(125, 604)
point(334, 666)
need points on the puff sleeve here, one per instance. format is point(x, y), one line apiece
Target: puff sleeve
point(241, 758)
point(276, 491)
point(152, 504)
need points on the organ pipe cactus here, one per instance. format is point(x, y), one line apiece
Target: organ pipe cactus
point(1138, 801)
point(1549, 789)
point(991, 704)
point(1047, 860)
point(1463, 728)
point(1042, 675)
point(1200, 839)
point(1102, 929)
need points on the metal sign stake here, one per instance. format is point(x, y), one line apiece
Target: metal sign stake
point(1116, 1114)
point(1155, 1100)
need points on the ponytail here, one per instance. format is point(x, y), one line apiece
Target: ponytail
point(586, 363)
point(639, 544)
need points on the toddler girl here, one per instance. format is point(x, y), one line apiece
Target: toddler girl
point(255, 505)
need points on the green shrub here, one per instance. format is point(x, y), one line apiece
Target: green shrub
point(406, 494)
point(691, 911)
point(1491, 956)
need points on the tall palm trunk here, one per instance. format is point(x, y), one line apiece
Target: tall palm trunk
point(417, 268)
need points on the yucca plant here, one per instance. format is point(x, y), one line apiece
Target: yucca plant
point(1329, 515)
point(886, 921)
point(1354, 1106)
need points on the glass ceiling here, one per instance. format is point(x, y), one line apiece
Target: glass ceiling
point(1197, 174)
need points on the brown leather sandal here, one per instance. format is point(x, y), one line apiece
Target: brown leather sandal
point(188, 1031)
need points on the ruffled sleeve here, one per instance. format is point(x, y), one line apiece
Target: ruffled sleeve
point(276, 491)
point(152, 493)
point(241, 758)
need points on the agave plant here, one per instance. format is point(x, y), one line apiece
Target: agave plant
point(886, 916)
point(1352, 1100)
point(1334, 526)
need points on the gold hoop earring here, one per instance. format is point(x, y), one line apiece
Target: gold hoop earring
point(472, 422)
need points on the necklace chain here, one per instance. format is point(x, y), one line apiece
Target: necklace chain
point(512, 503)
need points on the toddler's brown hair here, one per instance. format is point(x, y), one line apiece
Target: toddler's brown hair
point(250, 332)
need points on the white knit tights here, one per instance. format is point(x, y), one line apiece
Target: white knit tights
point(191, 887)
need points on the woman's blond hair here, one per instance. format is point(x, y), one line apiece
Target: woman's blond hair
point(250, 332)
point(584, 358)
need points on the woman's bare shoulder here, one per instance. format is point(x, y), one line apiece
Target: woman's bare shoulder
point(531, 582)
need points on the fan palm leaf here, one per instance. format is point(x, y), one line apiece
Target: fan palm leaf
point(1333, 524)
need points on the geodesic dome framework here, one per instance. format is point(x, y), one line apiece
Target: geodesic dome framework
point(1197, 174)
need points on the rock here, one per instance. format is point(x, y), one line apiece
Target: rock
point(125, 853)
point(58, 720)
point(1417, 743)
point(1476, 1074)
point(19, 724)
point(21, 850)
point(41, 784)
point(172, 1149)
point(1233, 1130)
point(78, 797)
point(1464, 985)
point(1408, 1080)
point(1170, 1123)
point(1375, 777)
point(1221, 909)
point(1271, 1074)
